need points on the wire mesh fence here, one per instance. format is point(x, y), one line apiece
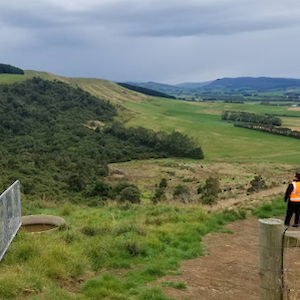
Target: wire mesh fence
point(10, 216)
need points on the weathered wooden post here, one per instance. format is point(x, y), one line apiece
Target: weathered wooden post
point(270, 234)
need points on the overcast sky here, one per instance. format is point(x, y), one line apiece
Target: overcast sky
point(168, 41)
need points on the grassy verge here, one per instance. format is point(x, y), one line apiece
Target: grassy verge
point(277, 207)
point(105, 253)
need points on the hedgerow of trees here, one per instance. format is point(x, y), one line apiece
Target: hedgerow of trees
point(8, 69)
point(271, 129)
point(242, 116)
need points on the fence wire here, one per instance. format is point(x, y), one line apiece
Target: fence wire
point(290, 268)
point(291, 272)
point(10, 216)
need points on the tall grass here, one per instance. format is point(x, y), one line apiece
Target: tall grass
point(141, 243)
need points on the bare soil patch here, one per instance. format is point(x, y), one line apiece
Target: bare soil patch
point(228, 271)
point(294, 108)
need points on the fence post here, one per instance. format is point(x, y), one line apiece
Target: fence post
point(270, 235)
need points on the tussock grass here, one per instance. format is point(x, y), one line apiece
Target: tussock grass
point(142, 243)
point(176, 285)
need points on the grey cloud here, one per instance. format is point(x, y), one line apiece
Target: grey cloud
point(178, 19)
point(151, 18)
point(149, 40)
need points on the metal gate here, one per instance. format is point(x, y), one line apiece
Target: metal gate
point(10, 216)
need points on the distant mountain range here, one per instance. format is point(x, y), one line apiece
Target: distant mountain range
point(260, 83)
point(233, 85)
point(193, 85)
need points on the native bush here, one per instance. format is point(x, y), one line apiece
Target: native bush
point(159, 195)
point(257, 184)
point(210, 191)
point(130, 194)
point(163, 183)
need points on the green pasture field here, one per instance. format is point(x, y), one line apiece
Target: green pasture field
point(219, 139)
point(12, 78)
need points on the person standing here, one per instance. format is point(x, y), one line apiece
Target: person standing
point(292, 196)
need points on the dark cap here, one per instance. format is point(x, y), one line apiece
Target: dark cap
point(297, 174)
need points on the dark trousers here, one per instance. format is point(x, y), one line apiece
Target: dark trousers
point(293, 207)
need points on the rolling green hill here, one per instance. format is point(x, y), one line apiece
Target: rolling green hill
point(101, 88)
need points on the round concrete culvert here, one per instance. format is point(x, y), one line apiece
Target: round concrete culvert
point(41, 223)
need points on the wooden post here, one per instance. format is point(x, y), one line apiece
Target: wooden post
point(270, 234)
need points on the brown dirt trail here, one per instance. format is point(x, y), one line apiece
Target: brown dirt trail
point(230, 268)
point(228, 271)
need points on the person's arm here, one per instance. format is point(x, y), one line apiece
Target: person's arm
point(288, 192)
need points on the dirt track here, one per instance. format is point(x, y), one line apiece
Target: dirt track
point(230, 268)
point(229, 271)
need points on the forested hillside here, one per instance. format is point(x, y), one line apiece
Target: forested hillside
point(58, 139)
point(8, 69)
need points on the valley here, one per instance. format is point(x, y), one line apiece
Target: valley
point(100, 163)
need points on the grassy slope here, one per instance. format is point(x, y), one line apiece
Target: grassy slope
point(145, 241)
point(103, 89)
point(218, 139)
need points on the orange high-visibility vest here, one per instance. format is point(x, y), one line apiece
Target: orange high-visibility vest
point(295, 194)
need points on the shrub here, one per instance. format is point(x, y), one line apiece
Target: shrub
point(180, 189)
point(211, 187)
point(159, 194)
point(200, 189)
point(100, 188)
point(257, 184)
point(130, 194)
point(210, 191)
point(118, 188)
point(163, 183)
point(209, 199)
point(182, 192)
